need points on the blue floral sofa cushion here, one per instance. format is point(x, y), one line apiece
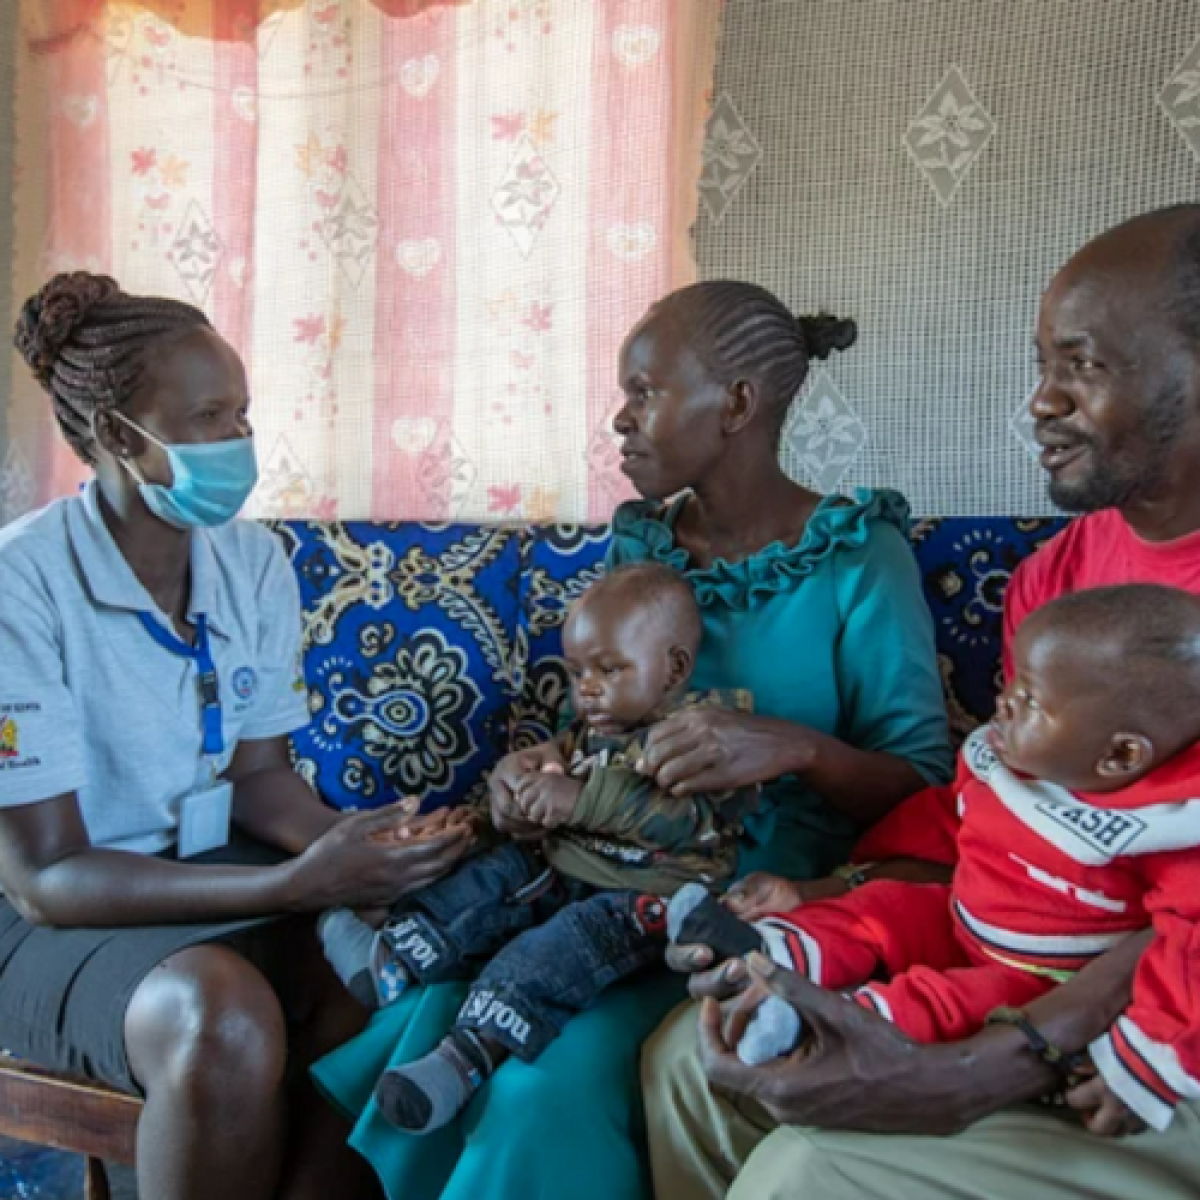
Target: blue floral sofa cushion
point(410, 656)
point(433, 649)
point(558, 564)
point(966, 563)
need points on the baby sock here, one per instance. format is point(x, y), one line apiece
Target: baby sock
point(347, 943)
point(694, 917)
point(431, 1092)
point(360, 959)
point(774, 1031)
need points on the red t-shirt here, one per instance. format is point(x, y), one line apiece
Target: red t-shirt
point(1099, 550)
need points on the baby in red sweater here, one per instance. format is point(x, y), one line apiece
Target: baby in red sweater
point(1074, 821)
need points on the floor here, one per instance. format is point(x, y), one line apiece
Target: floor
point(42, 1174)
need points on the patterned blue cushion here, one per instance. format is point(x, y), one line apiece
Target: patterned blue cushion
point(558, 564)
point(966, 563)
point(431, 649)
point(410, 653)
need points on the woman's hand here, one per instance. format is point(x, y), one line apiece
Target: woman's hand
point(760, 894)
point(425, 825)
point(365, 860)
point(714, 750)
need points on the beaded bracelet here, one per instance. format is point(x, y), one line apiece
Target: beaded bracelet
point(1053, 1056)
point(1071, 1067)
point(853, 875)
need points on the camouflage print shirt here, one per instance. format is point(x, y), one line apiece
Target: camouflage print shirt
point(626, 832)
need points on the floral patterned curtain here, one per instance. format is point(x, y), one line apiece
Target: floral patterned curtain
point(48, 23)
point(425, 231)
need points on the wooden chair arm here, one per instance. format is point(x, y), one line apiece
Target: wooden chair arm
point(68, 1113)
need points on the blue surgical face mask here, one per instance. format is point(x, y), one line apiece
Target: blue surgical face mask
point(211, 481)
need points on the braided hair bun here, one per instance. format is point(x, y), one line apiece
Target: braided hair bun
point(739, 330)
point(85, 341)
point(49, 319)
point(825, 333)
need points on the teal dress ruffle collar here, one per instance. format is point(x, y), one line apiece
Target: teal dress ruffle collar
point(837, 522)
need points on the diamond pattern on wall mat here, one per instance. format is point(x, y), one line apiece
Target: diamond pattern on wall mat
point(823, 436)
point(949, 134)
point(1180, 98)
point(730, 155)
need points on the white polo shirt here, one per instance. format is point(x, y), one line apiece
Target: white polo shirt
point(90, 703)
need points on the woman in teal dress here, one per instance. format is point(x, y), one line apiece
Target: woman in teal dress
point(812, 603)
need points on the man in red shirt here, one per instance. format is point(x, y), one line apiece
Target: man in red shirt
point(1118, 417)
point(1117, 414)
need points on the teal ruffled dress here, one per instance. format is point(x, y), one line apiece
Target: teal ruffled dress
point(832, 633)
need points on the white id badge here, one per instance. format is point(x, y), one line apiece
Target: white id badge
point(204, 820)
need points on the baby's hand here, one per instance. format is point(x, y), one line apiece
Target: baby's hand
point(548, 799)
point(537, 771)
point(1104, 1112)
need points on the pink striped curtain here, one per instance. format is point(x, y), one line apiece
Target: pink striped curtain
point(48, 23)
point(426, 227)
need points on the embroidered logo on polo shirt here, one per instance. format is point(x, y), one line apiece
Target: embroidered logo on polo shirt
point(245, 683)
point(10, 736)
point(10, 746)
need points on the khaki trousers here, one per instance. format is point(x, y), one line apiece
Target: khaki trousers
point(702, 1145)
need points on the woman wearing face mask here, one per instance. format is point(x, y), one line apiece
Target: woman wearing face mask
point(812, 603)
point(149, 676)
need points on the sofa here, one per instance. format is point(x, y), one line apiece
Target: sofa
point(432, 650)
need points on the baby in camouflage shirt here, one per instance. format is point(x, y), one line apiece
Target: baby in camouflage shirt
point(552, 923)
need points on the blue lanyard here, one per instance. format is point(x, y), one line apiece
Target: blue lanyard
point(201, 655)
